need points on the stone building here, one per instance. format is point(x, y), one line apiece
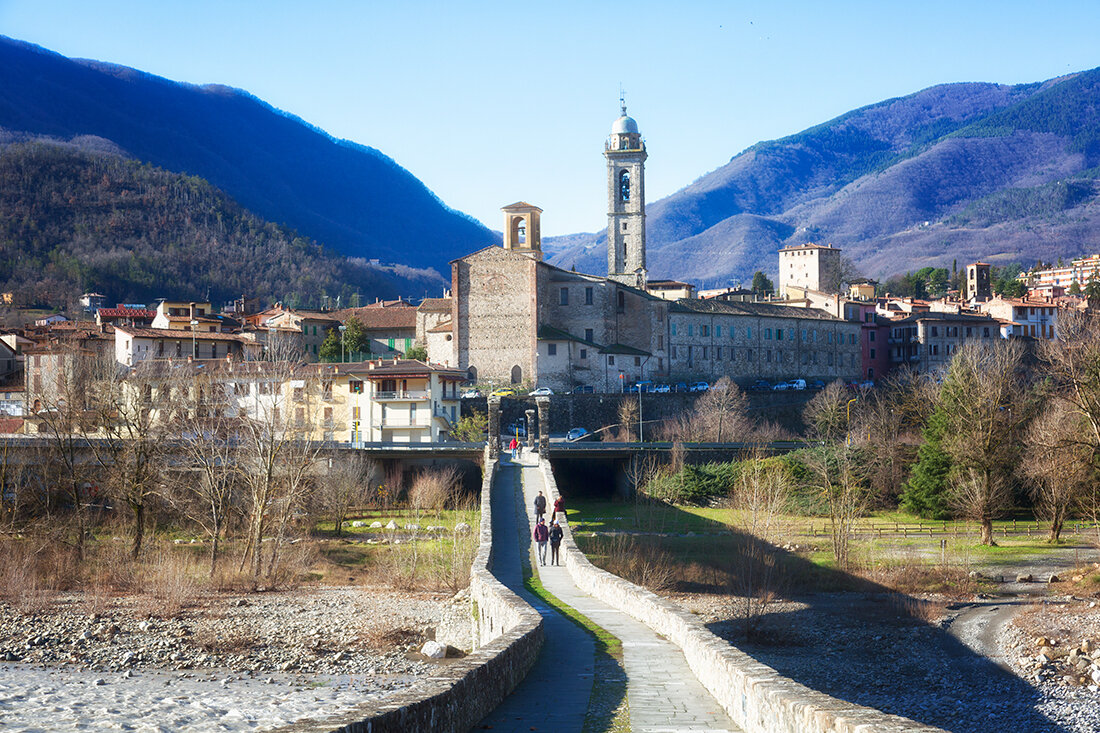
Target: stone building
point(927, 341)
point(518, 320)
point(806, 266)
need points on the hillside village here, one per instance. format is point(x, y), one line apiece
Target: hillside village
point(511, 319)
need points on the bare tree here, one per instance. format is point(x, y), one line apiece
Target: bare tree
point(1057, 462)
point(985, 403)
point(346, 484)
point(721, 410)
point(628, 420)
point(833, 463)
point(837, 272)
point(203, 427)
point(760, 498)
point(434, 489)
point(131, 440)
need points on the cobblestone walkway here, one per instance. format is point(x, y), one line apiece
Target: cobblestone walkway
point(663, 694)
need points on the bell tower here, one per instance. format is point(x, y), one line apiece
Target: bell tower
point(625, 153)
point(522, 230)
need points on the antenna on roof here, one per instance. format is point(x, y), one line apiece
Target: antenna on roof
point(622, 99)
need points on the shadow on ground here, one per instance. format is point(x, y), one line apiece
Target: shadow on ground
point(846, 636)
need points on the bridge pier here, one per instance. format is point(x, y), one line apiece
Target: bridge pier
point(543, 404)
point(494, 427)
point(530, 413)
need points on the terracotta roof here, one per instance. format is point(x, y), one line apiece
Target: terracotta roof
point(743, 308)
point(520, 205)
point(444, 327)
point(435, 305)
point(175, 333)
point(11, 424)
point(121, 311)
point(381, 318)
point(399, 303)
point(411, 368)
point(668, 284)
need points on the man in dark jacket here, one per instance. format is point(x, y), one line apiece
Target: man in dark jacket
point(542, 534)
point(555, 535)
point(540, 506)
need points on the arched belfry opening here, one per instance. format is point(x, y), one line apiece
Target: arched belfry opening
point(521, 229)
point(624, 185)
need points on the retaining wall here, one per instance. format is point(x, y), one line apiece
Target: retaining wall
point(508, 636)
point(754, 695)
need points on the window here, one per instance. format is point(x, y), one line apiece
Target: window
point(829, 337)
point(660, 364)
point(624, 185)
point(872, 353)
point(768, 334)
point(702, 330)
point(551, 349)
point(326, 390)
point(852, 339)
point(611, 360)
point(969, 332)
point(355, 386)
point(985, 332)
point(637, 361)
point(769, 359)
point(389, 344)
point(660, 342)
point(588, 334)
point(748, 333)
point(622, 301)
point(704, 352)
point(328, 417)
point(672, 352)
point(748, 354)
point(299, 417)
point(935, 331)
point(563, 296)
point(673, 326)
point(718, 353)
point(588, 296)
point(717, 332)
point(830, 359)
point(779, 334)
point(803, 335)
point(871, 336)
point(691, 329)
point(298, 393)
point(241, 389)
point(584, 353)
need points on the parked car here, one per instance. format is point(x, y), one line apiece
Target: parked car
point(699, 387)
point(780, 386)
point(582, 389)
point(867, 384)
point(816, 384)
point(576, 434)
point(661, 388)
point(760, 385)
point(541, 392)
point(471, 394)
point(516, 428)
point(799, 384)
point(680, 387)
point(503, 392)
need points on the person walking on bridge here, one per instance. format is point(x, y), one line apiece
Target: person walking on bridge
point(555, 535)
point(559, 508)
point(540, 506)
point(514, 447)
point(542, 534)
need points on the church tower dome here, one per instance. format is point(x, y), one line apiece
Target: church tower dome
point(625, 153)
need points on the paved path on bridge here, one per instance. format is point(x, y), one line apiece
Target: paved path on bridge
point(663, 694)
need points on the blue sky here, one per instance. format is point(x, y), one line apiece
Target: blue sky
point(490, 103)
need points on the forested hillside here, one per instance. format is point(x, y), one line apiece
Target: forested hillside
point(73, 220)
point(349, 197)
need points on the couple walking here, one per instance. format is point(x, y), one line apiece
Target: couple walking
point(552, 533)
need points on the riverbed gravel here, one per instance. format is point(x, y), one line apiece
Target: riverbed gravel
point(234, 662)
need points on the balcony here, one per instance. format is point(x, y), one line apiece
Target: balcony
point(402, 396)
point(395, 424)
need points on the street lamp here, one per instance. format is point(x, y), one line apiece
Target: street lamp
point(194, 346)
point(342, 328)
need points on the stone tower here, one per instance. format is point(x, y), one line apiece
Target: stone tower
point(522, 229)
point(978, 285)
point(625, 153)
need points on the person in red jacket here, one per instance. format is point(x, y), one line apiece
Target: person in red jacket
point(559, 506)
point(542, 536)
point(514, 447)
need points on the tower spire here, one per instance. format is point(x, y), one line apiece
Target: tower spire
point(622, 100)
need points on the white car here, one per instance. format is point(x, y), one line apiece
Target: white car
point(471, 394)
point(541, 392)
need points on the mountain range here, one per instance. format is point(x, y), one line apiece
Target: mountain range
point(351, 198)
point(953, 173)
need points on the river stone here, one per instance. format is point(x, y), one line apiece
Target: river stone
point(433, 649)
point(462, 528)
point(391, 525)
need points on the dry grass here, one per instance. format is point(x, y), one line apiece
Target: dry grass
point(647, 566)
point(384, 637)
point(170, 582)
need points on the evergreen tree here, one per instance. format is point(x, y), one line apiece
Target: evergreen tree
point(1074, 288)
point(355, 337)
point(926, 491)
point(330, 347)
point(761, 284)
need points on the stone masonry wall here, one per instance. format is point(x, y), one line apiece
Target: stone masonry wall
point(509, 635)
point(754, 695)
